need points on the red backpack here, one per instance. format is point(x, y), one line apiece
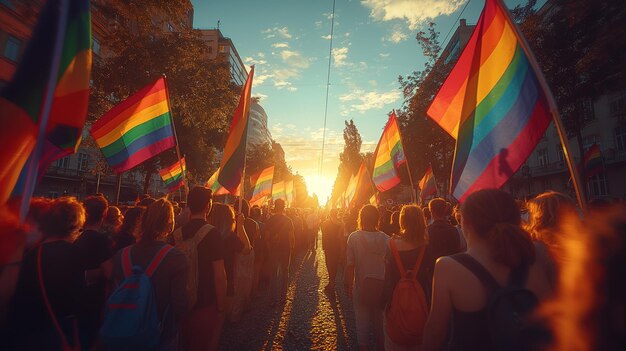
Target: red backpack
point(407, 311)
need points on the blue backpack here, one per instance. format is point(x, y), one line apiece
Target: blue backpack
point(131, 320)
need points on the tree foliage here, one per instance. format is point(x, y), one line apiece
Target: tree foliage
point(349, 159)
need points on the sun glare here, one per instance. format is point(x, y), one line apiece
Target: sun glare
point(321, 186)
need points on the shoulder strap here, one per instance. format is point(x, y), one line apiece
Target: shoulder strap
point(127, 265)
point(65, 344)
point(202, 232)
point(178, 235)
point(478, 270)
point(396, 255)
point(158, 258)
point(418, 263)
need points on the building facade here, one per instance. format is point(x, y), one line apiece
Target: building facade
point(220, 47)
point(258, 133)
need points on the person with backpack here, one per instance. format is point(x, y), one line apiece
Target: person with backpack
point(365, 276)
point(487, 293)
point(206, 282)
point(43, 312)
point(405, 277)
point(146, 309)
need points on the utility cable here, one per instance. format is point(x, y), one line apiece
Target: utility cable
point(330, 59)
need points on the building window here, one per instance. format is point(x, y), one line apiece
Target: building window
point(620, 138)
point(63, 162)
point(542, 158)
point(170, 27)
point(588, 110)
point(559, 153)
point(598, 185)
point(95, 46)
point(12, 48)
point(83, 161)
point(617, 105)
point(221, 49)
point(589, 140)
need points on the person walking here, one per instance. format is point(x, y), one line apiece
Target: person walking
point(281, 245)
point(365, 274)
point(332, 235)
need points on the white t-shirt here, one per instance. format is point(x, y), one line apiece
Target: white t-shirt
point(366, 252)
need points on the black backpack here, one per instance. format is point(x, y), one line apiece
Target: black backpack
point(508, 307)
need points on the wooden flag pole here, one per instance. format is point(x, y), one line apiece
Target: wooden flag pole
point(408, 169)
point(119, 187)
point(169, 103)
point(580, 196)
point(245, 150)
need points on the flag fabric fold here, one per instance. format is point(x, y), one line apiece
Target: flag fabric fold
point(234, 157)
point(261, 184)
point(278, 191)
point(173, 176)
point(137, 129)
point(215, 186)
point(22, 99)
point(289, 194)
point(389, 155)
point(357, 187)
point(428, 185)
point(492, 103)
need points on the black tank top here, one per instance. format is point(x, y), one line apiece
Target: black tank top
point(470, 331)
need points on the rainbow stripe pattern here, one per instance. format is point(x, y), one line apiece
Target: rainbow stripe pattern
point(278, 191)
point(215, 186)
point(593, 162)
point(428, 185)
point(262, 184)
point(137, 129)
point(173, 176)
point(22, 99)
point(289, 194)
point(234, 156)
point(492, 104)
point(389, 155)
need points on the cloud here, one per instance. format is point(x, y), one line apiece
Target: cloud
point(360, 101)
point(281, 32)
point(384, 55)
point(327, 37)
point(261, 96)
point(396, 36)
point(253, 61)
point(259, 79)
point(280, 45)
point(295, 59)
point(414, 12)
point(318, 24)
point(340, 55)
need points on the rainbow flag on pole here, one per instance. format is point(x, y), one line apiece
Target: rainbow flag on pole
point(173, 176)
point(492, 103)
point(593, 161)
point(43, 107)
point(388, 156)
point(262, 184)
point(215, 186)
point(234, 158)
point(289, 194)
point(278, 191)
point(137, 129)
point(428, 185)
point(357, 186)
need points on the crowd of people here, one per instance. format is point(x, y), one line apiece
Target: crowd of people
point(490, 274)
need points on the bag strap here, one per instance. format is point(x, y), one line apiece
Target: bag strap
point(396, 255)
point(418, 263)
point(127, 264)
point(202, 232)
point(57, 326)
point(158, 258)
point(478, 270)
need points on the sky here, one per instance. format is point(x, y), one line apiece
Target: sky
point(288, 42)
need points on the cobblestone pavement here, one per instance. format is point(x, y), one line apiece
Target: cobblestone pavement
point(309, 319)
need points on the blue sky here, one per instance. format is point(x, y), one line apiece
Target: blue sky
point(288, 41)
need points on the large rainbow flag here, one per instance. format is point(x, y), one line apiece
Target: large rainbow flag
point(262, 184)
point(31, 119)
point(388, 156)
point(137, 129)
point(278, 191)
point(173, 176)
point(215, 186)
point(428, 185)
point(289, 194)
point(233, 159)
point(492, 104)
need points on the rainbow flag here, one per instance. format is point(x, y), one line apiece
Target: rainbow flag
point(173, 176)
point(493, 105)
point(28, 124)
point(215, 186)
point(388, 156)
point(593, 161)
point(358, 186)
point(234, 156)
point(374, 200)
point(262, 184)
point(278, 191)
point(289, 194)
point(137, 129)
point(428, 185)
point(259, 202)
point(350, 191)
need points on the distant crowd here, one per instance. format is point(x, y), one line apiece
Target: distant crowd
point(490, 274)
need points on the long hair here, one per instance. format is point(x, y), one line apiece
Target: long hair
point(222, 217)
point(158, 220)
point(62, 218)
point(413, 225)
point(495, 217)
point(546, 213)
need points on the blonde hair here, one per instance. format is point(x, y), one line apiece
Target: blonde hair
point(413, 225)
point(545, 215)
point(158, 220)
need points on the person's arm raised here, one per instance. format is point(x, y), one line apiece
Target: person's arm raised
point(241, 233)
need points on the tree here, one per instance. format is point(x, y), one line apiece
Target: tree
point(425, 142)
point(349, 160)
point(202, 95)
